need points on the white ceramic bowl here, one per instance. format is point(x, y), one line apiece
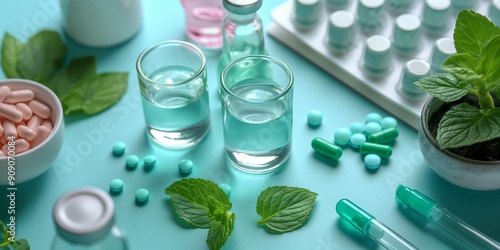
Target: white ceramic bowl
point(35, 161)
point(463, 172)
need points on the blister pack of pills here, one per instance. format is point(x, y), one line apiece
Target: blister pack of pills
point(377, 47)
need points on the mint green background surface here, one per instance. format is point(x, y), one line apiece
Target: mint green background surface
point(87, 160)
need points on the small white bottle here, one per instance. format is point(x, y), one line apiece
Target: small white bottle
point(98, 23)
point(84, 219)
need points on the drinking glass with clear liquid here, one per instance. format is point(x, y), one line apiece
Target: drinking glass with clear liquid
point(173, 82)
point(257, 98)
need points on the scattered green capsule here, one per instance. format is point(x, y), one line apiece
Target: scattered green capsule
point(383, 151)
point(325, 148)
point(384, 136)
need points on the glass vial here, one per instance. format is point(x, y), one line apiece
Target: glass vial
point(242, 31)
point(84, 219)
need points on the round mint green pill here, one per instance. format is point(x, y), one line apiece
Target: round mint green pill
point(141, 195)
point(372, 128)
point(119, 148)
point(381, 150)
point(373, 117)
point(325, 148)
point(116, 185)
point(314, 118)
point(226, 188)
point(132, 161)
point(149, 160)
point(342, 136)
point(357, 139)
point(185, 166)
point(372, 161)
point(389, 122)
point(384, 136)
point(357, 127)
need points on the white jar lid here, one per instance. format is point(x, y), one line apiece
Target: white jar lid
point(84, 215)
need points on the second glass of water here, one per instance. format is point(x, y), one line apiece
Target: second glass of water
point(172, 78)
point(257, 97)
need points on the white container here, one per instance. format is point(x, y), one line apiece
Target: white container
point(99, 23)
point(84, 220)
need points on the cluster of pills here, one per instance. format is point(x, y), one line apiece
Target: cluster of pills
point(131, 163)
point(370, 138)
point(185, 167)
point(23, 120)
point(141, 194)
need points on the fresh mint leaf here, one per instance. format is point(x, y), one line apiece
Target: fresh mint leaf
point(465, 125)
point(95, 93)
point(194, 199)
point(462, 66)
point(444, 86)
point(284, 209)
point(490, 60)
point(41, 57)
point(205, 205)
point(220, 231)
point(79, 68)
point(18, 244)
point(472, 32)
point(495, 87)
point(11, 47)
point(5, 235)
point(21, 244)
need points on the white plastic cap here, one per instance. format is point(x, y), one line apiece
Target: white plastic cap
point(84, 215)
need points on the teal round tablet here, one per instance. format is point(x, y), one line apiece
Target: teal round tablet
point(372, 161)
point(372, 128)
point(314, 118)
point(119, 148)
point(132, 161)
point(150, 160)
point(373, 117)
point(116, 185)
point(342, 136)
point(357, 139)
point(357, 127)
point(141, 195)
point(185, 166)
point(226, 188)
point(389, 122)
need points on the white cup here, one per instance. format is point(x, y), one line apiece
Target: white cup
point(99, 23)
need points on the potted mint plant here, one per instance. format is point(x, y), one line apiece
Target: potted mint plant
point(459, 132)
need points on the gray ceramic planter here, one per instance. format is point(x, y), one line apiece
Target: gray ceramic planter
point(463, 172)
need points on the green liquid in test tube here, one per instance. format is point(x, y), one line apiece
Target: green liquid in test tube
point(370, 227)
point(433, 212)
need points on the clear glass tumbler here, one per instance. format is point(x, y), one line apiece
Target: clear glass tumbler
point(257, 98)
point(173, 82)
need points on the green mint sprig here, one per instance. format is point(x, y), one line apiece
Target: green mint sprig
point(18, 244)
point(474, 70)
point(284, 209)
point(203, 204)
point(78, 85)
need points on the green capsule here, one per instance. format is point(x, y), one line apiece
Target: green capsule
point(383, 151)
point(325, 148)
point(384, 136)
